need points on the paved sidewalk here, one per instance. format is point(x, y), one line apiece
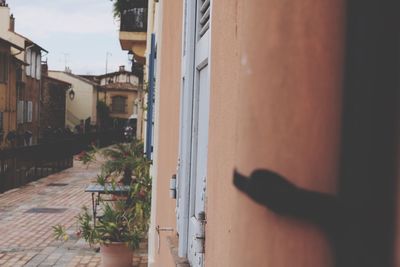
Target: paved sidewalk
point(27, 215)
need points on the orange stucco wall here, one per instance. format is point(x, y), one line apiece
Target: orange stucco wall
point(168, 132)
point(281, 63)
point(276, 81)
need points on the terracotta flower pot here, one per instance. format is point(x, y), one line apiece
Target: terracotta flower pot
point(116, 254)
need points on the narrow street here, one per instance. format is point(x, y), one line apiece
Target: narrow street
point(27, 215)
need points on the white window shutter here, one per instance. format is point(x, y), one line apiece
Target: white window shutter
point(29, 119)
point(33, 64)
point(25, 108)
point(38, 66)
point(20, 111)
point(28, 61)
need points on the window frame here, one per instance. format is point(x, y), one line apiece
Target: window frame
point(114, 106)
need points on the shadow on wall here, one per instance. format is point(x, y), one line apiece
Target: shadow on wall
point(360, 221)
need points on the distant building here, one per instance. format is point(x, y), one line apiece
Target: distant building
point(81, 104)
point(120, 91)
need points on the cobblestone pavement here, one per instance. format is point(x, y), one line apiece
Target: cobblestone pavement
point(27, 215)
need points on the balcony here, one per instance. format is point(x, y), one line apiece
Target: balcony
point(134, 20)
point(133, 28)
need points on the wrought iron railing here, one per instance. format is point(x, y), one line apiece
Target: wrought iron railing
point(134, 20)
point(21, 165)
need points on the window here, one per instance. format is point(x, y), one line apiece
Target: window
point(3, 67)
point(118, 104)
point(29, 111)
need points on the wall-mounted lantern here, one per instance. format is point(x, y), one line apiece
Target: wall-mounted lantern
point(71, 94)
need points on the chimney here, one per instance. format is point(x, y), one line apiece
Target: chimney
point(12, 23)
point(121, 68)
point(3, 3)
point(45, 68)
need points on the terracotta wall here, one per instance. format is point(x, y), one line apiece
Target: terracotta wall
point(276, 81)
point(168, 132)
point(280, 62)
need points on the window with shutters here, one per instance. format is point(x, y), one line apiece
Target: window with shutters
point(118, 104)
point(3, 67)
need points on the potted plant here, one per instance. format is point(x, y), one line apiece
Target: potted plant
point(123, 224)
point(121, 162)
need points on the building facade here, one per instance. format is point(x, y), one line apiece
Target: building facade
point(120, 91)
point(24, 81)
point(28, 95)
point(297, 90)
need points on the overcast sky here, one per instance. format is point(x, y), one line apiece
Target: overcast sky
point(77, 33)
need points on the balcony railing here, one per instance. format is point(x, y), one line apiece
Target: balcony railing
point(134, 20)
